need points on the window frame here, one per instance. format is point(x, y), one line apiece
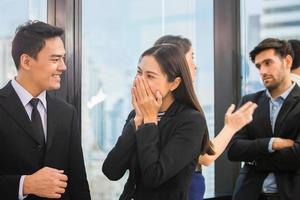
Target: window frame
point(67, 15)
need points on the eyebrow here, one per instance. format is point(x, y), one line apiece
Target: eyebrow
point(265, 60)
point(148, 72)
point(57, 55)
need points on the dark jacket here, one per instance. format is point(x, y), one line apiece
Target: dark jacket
point(21, 154)
point(251, 144)
point(160, 159)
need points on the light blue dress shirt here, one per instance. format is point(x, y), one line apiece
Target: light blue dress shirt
point(25, 98)
point(269, 185)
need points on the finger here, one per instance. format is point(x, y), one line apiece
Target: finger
point(137, 90)
point(53, 170)
point(60, 190)
point(291, 141)
point(230, 109)
point(134, 100)
point(62, 184)
point(55, 196)
point(158, 97)
point(62, 177)
point(141, 88)
point(251, 109)
point(136, 95)
point(134, 81)
point(50, 169)
point(147, 87)
point(245, 106)
point(132, 96)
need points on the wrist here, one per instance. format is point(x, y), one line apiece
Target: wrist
point(229, 130)
point(137, 122)
point(148, 120)
point(274, 143)
point(138, 119)
point(26, 185)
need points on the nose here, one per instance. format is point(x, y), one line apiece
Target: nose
point(192, 69)
point(262, 70)
point(62, 66)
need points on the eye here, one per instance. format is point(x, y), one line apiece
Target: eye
point(58, 58)
point(150, 76)
point(139, 72)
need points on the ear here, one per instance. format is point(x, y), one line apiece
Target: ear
point(289, 61)
point(25, 62)
point(175, 83)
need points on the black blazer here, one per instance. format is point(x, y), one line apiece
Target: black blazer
point(21, 154)
point(160, 159)
point(251, 144)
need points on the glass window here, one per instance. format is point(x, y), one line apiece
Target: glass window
point(114, 34)
point(261, 19)
point(9, 20)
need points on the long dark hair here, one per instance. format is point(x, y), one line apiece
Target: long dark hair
point(172, 62)
point(182, 43)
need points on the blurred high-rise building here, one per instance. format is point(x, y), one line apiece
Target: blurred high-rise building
point(280, 19)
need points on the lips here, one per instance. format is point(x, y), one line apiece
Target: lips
point(56, 76)
point(267, 78)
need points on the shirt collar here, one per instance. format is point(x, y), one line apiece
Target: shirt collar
point(284, 94)
point(25, 96)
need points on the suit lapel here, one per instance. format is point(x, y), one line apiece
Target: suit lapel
point(263, 112)
point(290, 102)
point(52, 117)
point(11, 103)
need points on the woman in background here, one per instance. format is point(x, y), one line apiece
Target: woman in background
point(218, 143)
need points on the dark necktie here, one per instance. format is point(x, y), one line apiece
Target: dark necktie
point(37, 122)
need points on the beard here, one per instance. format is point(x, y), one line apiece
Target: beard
point(272, 87)
point(274, 83)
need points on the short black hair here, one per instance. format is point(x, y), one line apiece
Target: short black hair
point(30, 39)
point(296, 49)
point(282, 48)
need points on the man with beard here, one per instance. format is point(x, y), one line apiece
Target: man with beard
point(270, 144)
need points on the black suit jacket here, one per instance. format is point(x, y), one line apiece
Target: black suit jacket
point(251, 144)
point(21, 154)
point(160, 159)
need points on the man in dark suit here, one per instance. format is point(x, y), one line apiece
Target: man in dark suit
point(40, 145)
point(269, 145)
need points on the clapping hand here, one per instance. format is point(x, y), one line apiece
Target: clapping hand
point(238, 119)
